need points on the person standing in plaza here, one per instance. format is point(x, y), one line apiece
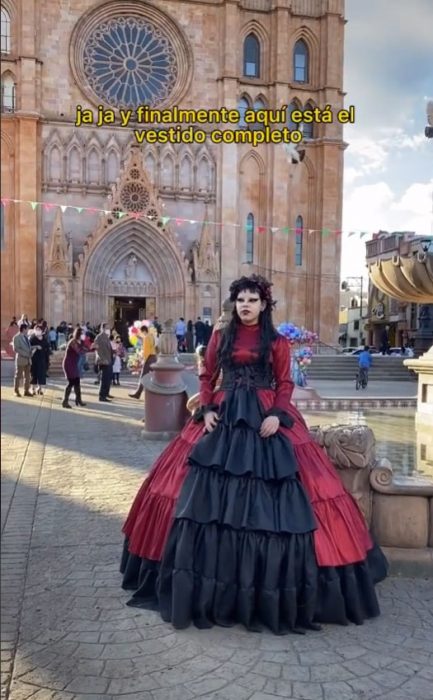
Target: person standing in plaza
point(200, 332)
point(23, 358)
point(71, 367)
point(180, 331)
point(38, 369)
point(148, 351)
point(189, 337)
point(243, 517)
point(104, 360)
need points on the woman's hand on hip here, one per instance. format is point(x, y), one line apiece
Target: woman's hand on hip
point(269, 426)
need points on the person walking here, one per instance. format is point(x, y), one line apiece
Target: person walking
point(52, 338)
point(23, 358)
point(104, 360)
point(243, 517)
point(71, 368)
point(148, 351)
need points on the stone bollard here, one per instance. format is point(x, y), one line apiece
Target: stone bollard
point(165, 410)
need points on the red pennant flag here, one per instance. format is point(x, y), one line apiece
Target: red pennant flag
point(47, 206)
point(178, 222)
point(261, 229)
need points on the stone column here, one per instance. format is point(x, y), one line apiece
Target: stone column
point(165, 397)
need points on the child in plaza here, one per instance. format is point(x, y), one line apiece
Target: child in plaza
point(243, 518)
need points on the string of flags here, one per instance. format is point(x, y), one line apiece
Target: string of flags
point(178, 221)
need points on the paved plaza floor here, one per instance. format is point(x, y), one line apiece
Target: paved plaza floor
point(68, 478)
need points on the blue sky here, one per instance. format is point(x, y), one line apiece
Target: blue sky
point(388, 76)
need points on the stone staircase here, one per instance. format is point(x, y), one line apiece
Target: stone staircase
point(343, 367)
point(325, 367)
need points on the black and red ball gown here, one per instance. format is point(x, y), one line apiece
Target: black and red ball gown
point(233, 528)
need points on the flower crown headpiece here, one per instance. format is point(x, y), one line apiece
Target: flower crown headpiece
point(256, 282)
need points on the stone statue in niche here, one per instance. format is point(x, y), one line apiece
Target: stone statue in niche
point(59, 298)
point(131, 267)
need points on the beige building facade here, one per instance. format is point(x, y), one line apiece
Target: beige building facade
point(149, 251)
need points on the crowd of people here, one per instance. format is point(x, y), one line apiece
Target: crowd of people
point(190, 335)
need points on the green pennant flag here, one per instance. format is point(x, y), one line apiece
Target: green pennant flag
point(165, 220)
point(119, 214)
point(79, 209)
point(325, 231)
point(33, 205)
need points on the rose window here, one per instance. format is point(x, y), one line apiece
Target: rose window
point(134, 174)
point(128, 61)
point(134, 197)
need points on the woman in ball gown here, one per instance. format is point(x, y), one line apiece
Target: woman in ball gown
point(243, 518)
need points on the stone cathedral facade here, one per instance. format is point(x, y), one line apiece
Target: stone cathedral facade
point(61, 261)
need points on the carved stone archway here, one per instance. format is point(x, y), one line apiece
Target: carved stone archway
point(153, 250)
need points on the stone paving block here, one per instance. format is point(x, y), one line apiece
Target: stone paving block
point(87, 684)
point(281, 688)
point(339, 691)
point(306, 691)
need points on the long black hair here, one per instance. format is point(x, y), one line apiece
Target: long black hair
point(258, 285)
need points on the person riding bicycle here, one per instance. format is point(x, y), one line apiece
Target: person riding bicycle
point(365, 362)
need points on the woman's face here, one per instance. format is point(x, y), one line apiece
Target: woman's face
point(248, 307)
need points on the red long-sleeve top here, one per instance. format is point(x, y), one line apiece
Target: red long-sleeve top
point(245, 351)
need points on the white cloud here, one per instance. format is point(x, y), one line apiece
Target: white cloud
point(376, 207)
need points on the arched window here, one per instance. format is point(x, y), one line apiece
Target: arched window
point(258, 105)
point(299, 240)
point(7, 93)
point(250, 238)
point(300, 62)
point(291, 108)
point(243, 105)
point(308, 127)
point(5, 31)
point(251, 57)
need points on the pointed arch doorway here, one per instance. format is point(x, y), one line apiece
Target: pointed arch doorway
point(133, 262)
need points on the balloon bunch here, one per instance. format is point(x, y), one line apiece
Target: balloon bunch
point(134, 332)
point(301, 340)
point(296, 335)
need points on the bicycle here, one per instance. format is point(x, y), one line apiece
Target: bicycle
point(361, 378)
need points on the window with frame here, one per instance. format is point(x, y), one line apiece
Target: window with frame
point(299, 241)
point(5, 31)
point(8, 93)
point(243, 105)
point(300, 62)
point(251, 57)
point(250, 238)
point(308, 127)
point(258, 105)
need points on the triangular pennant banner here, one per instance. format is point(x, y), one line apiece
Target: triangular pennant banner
point(178, 222)
point(285, 229)
point(193, 221)
point(119, 214)
point(261, 229)
point(363, 233)
point(310, 231)
point(325, 231)
point(5, 200)
point(34, 205)
point(165, 220)
point(136, 214)
point(274, 229)
point(63, 207)
point(47, 206)
point(351, 233)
